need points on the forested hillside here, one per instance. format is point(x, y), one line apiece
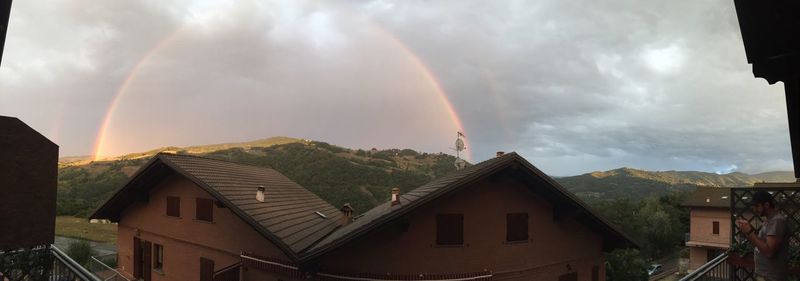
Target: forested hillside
point(338, 175)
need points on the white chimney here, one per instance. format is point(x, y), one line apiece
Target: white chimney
point(395, 196)
point(347, 214)
point(260, 193)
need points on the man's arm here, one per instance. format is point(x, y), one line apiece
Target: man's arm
point(767, 248)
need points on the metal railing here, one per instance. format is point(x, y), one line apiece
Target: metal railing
point(66, 269)
point(104, 268)
point(715, 270)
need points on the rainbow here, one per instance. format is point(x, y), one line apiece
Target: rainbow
point(101, 139)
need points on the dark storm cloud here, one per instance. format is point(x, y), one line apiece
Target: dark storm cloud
point(590, 85)
point(574, 86)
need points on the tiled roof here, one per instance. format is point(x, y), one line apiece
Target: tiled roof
point(288, 218)
point(707, 196)
point(450, 183)
point(287, 215)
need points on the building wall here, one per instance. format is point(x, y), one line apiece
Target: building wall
point(700, 229)
point(28, 172)
point(553, 248)
point(701, 237)
point(185, 239)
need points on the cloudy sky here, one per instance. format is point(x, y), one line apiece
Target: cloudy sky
point(574, 86)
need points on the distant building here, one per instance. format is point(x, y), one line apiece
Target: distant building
point(192, 218)
point(710, 224)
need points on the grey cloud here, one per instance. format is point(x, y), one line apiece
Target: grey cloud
point(574, 86)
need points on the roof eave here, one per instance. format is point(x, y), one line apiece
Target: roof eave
point(98, 212)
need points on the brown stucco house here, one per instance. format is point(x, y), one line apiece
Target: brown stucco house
point(192, 218)
point(710, 224)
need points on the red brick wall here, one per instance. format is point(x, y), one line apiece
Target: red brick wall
point(554, 248)
point(185, 239)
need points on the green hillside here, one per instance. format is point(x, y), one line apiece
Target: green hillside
point(365, 178)
point(628, 183)
point(338, 175)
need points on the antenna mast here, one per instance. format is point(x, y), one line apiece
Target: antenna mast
point(460, 163)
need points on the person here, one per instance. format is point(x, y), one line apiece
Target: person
point(771, 243)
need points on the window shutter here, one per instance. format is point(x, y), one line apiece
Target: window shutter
point(450, 229)
point(137, 258)
point(173, 206)
point(205, 210)
point(146, 266)
point(206, 269)
point(517, 227)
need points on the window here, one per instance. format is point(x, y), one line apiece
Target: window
point(449, 229)
point(173, 206)
point(517, 227)
point(595, 273)
point(715, 229)
point(205, 209)
point(158, 257)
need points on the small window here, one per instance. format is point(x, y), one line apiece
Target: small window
point(595, 273)
point(450, 229)
point(158, 259)
point(173, 206)
point(517, 227)
point(715, 227)
point(205, 209)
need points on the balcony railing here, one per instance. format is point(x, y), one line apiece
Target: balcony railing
point(104, 268)
point(715, 270)
point(41, 263)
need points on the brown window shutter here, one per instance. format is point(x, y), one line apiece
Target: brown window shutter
point(205, 210)
point(137, 258)
point(173, 206)
point(206, 269)
point(450, 229)
point(146, 265)
point(716, 227)
point(517, 227)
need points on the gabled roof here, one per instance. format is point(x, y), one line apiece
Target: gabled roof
point(518, 166)
point(287, 216)
point(709, 196)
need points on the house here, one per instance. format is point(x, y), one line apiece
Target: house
point(192, 218)
point(710, 224)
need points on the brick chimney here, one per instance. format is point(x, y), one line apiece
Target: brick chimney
point(347, 213)
point(260, 193)
point(395, 196)
point(500, 153)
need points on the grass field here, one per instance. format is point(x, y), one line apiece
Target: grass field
point(81, 228)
